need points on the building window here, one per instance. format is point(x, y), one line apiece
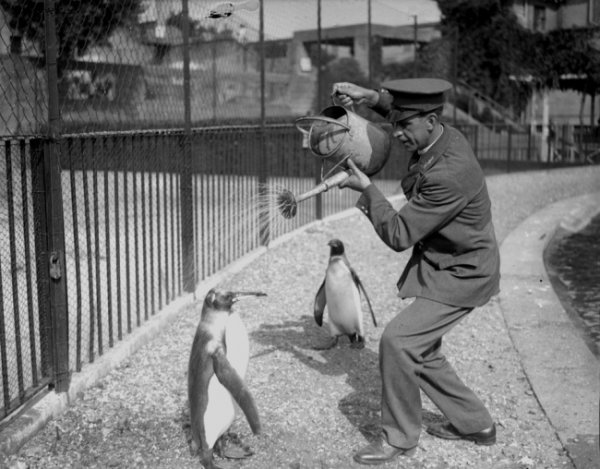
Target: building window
point(539, 18)
point(595, 12)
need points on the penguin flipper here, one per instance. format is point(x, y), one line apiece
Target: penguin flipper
point(364, 292)
point(320, 303)
point(232, 381)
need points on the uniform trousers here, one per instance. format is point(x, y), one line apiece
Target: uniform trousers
point(411, 360)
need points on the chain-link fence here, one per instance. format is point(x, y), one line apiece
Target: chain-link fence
point(138, 63)
point(144, 145)
point(105, 221)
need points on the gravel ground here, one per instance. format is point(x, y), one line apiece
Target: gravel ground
point(317, 407)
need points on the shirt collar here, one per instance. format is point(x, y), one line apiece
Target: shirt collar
point(428, 147)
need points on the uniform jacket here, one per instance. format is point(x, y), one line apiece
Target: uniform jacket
point(447, 220)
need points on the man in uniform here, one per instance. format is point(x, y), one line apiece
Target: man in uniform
point(454, 266)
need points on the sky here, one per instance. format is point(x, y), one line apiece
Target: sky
point(283, 17)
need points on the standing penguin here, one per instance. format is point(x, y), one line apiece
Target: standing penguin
point(340, 295)
point(216, 370)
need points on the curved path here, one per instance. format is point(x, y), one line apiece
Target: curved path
point(560, 367)
point(518, 352)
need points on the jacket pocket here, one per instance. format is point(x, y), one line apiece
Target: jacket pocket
point(468, 260)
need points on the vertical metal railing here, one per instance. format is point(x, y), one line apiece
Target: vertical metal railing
point(13, 265)
point(121, 198)
point(23, 367)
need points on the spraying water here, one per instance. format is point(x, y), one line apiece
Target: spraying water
point(270, 206)
point(233, 218)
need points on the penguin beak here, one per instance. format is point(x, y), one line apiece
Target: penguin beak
point(236, 296)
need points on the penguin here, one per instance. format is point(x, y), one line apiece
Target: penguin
point(340, 295)
point(216, 370)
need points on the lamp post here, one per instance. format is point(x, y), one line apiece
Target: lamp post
point(264, 228)
point(319, 59)
point(369, 46)
point(416, 45)
point(454, 72)
point(319, 198)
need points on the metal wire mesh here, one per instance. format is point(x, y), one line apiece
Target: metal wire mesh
point(121, 62)
point(172, 126)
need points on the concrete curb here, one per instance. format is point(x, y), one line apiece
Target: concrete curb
point(561, 369)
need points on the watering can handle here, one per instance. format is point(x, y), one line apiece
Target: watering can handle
point(333, 101)
point(318, 118)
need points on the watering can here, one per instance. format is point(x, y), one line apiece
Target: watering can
point(335, 135)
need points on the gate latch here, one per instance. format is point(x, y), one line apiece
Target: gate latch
point(55, 270)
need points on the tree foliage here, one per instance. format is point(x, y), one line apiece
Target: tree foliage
point(80, 24)
point(570, 61)
point(336, 70)
point(506, 61)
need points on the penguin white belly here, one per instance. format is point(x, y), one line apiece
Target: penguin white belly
point(221, 408)
point(343, 301)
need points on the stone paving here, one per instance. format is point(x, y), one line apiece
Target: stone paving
point(518, 352)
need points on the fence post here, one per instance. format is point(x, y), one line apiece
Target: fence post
point(319, 196)
point(186, 188)
point(54, 216)
point(40, 225)
point(264, 230)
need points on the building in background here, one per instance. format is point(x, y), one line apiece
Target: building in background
point(543, 16)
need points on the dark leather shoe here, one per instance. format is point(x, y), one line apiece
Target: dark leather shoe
point(380, 452)
point(447, 431)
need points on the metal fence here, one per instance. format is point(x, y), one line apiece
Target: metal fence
point(127, 212)
point(139, 64)
point(142, 162)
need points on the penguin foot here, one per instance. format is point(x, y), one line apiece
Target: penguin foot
point(357, 341)
point(230, 446)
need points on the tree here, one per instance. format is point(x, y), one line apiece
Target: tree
point(490, 46)
point(337, 70)
point(575, 63)
point(494, 49)
point(80, 24)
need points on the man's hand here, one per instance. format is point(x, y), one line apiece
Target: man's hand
point(357, 180)
point(347, 94)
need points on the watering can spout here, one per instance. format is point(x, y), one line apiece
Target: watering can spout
point(288, 202)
